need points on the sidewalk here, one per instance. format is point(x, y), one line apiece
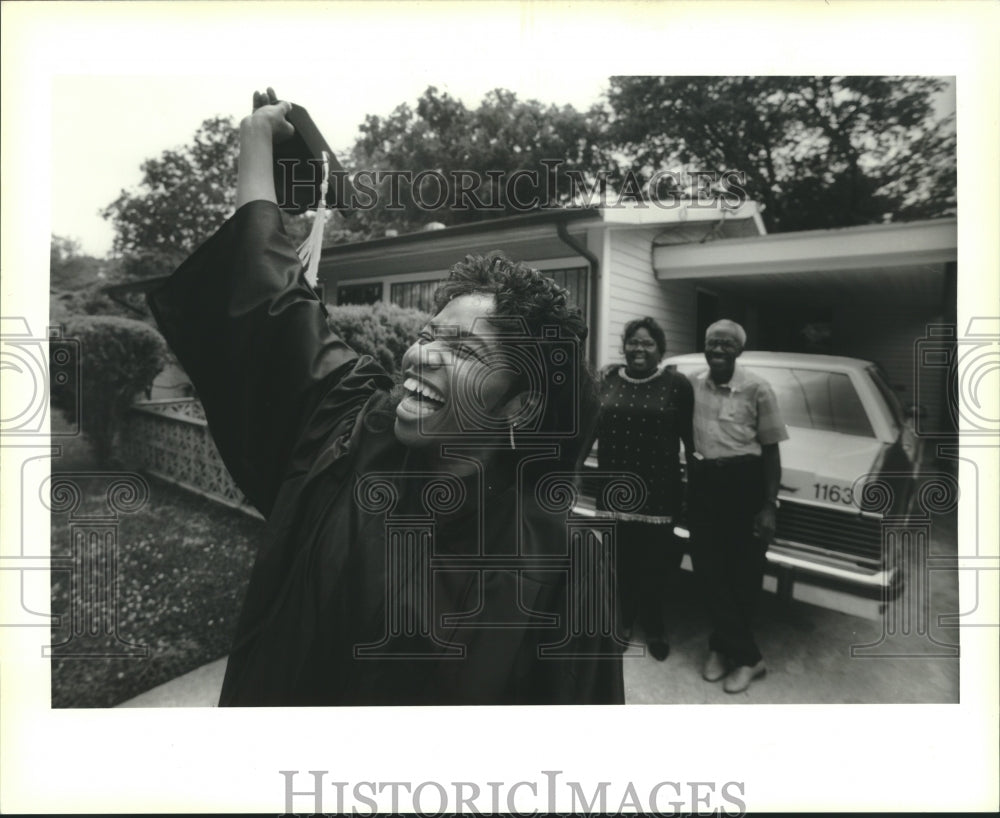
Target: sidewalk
point(199, 688)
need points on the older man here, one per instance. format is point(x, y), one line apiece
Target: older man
point(733, 493)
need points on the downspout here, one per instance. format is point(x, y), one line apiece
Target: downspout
point(595, 271)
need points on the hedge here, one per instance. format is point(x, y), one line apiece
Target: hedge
point(119, 358)
point(383, 331)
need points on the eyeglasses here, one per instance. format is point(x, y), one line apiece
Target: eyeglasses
point(632, 343)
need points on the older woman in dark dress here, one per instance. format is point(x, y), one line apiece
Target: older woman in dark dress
point(645, 415)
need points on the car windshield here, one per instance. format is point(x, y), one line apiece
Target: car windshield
point(887, 392)
point(812, 398)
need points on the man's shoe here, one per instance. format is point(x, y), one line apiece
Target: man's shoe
point(715, 668)
point(739, 680)
point(659, 649)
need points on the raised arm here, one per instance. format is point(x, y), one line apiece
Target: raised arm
point(276, 384)
point(258, 133)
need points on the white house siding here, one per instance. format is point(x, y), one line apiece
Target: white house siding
point(635, 292)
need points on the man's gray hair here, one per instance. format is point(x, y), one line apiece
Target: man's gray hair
point(731, 326)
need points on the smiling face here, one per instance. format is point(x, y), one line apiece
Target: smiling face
point(641, 352)
point(455, 378)
point(722, 348)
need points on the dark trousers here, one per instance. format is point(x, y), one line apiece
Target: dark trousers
point(728, 557)
point(646, 564)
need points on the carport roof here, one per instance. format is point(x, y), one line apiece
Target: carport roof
point(897, 262)
point(866, 248)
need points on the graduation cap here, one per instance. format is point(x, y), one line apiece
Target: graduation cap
point(307, 176)
point(298, 168)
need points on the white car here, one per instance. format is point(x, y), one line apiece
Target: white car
point(851, 462)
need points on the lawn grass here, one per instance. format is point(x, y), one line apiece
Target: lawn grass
point(182, 567)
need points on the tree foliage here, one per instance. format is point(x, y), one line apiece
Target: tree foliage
point(818, 151)
point(501, 136)
point(119, 358)
point(70, 269)
point(184, 196)
point(78, 285)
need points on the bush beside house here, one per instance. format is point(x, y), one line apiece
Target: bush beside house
point(119, 358)
point(381, 330)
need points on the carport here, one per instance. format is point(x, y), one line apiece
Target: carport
point(871, 292)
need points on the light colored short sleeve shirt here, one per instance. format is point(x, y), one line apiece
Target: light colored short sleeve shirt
point(736, 418)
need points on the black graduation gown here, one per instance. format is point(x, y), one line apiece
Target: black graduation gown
point(342, 605)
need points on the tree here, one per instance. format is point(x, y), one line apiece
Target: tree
point(78, 285)
point(119, 358)
point(491, 142)
point(818, 151)
point(184, 196)
point(70, 269)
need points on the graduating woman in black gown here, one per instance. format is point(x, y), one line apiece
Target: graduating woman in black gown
point(411, 555)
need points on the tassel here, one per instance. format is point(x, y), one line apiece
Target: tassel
point(312, 248)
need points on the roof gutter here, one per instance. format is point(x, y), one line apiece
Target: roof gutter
point(595, 271)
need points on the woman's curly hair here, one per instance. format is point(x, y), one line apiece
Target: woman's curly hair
point(531, 297)
point(520, 292)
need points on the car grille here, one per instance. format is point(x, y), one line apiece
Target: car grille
point(827, 529)
point(805, 527)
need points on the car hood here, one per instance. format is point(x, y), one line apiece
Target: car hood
point(811, 457)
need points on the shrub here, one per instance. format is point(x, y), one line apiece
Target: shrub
point(383, 331)
point(119, 358)
point(92, 299)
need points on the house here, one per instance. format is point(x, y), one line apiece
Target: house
point(872, 292)
point(876, 292)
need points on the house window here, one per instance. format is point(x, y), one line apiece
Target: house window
point(416, 294)
point(359, 293)
point(573, 279)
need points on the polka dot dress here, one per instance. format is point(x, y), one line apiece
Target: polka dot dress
point(639, 432)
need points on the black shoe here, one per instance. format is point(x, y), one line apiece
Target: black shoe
point(659, 649)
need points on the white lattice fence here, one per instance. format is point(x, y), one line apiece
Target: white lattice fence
point(169, 438)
